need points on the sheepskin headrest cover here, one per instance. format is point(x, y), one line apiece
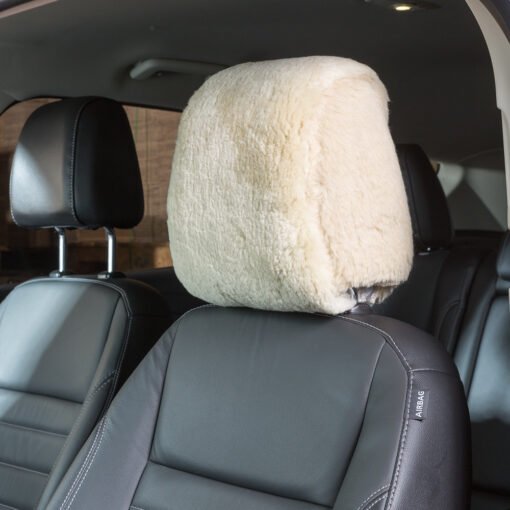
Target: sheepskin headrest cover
point(286, 192)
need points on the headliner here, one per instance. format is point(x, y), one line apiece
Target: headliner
point(435, 63)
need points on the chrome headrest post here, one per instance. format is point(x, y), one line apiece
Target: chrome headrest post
point(62, 250)
point(112, 250)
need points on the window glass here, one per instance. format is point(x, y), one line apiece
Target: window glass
point(476, 196)
point(27, 253)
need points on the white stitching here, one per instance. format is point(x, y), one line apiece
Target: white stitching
point(89, 466)
point(105, 381)
point(372, 495)
point(92, 446)
point(378, 500)
point(402, 441)
point(135, 508)
point(119, 363)
point(408, 406)
point(96, 390)
point(384, 333)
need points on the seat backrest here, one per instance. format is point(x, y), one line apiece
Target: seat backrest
point(286, 196)
point(68, 342)
point(435, 296)
point(483, 358)
point(165, 281)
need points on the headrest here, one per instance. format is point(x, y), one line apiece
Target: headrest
point(75, 165)
point(286, 193)
point(432, 226)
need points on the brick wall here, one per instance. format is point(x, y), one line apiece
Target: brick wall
point(26, 252)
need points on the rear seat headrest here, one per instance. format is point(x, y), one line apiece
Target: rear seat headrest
point(432, 226)
point(286, 193)
point(75, 165)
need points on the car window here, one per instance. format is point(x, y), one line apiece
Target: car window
point(476, 196)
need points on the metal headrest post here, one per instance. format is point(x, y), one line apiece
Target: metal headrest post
point(111, 267)
point(112, 250)
point(62, 251)
point(62, 254)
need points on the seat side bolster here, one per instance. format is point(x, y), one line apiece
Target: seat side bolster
point(136, 408)
point(425, 467)
point(98, 397)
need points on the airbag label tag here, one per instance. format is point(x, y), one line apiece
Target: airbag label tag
point(419, 403)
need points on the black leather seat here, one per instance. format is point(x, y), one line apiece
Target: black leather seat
point(435, 297)
point(67, 343)
point(260, 409)
point(483, 359)
point(458, 291)
point(165, 281)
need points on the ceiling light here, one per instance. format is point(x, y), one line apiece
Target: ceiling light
point(409, 6)
point(403, 7)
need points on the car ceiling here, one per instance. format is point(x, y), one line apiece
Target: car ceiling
point(434, 62)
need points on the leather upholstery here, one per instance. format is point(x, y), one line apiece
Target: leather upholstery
point(483, 358)
point(435, 296)
point(238, 408)
point(67, 345)
point(432, 227)
point(75, 165)
point(165, 281)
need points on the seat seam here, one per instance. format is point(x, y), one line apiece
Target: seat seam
point(375, 493)
point(378, 500)
point(119, 362)
point(459, 301)
point(410, 382)
point(447, 309)
point(362, 421)
point(72, 166)
point(84, 463)
point(114, 374)
point(383, 333)
point(112, 286)
point(22, 468)
point(7, 507)
point(95, 449)
point(238, 486)
point(437, 371)
point(32, 429)
point(98, 387)
point(89, 397)
point(31, 393)
point(98, 447)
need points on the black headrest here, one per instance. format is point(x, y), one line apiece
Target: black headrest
point(75, 166)
point(432, 226)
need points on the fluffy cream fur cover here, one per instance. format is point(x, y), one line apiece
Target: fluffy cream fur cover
point(286, 191)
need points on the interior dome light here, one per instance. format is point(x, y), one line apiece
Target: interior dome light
point(410, 6)
point(403, 7)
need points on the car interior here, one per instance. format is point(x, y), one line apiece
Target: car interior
point(254, 255)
